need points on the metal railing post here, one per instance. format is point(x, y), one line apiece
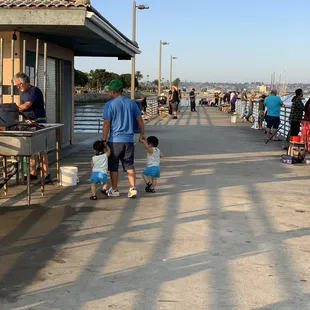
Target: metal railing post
point(285, 116)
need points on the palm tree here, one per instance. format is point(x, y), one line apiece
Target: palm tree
point(139, 75)
point(155, 82)
point(176, 82)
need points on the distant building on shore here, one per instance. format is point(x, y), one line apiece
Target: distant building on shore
point(261, 89)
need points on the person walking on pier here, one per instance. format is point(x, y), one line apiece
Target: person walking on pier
point(192, 98)
point(179, 102)
point(152, 172)
point(174, 99)
point(120, 115)
point(99, 165)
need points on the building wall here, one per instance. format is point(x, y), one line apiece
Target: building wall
point(60, 90)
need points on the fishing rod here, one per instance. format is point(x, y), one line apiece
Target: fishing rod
point(274, 134)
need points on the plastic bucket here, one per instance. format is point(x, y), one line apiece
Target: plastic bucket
point(295, 139)
point(234, 119)
point(68, 176)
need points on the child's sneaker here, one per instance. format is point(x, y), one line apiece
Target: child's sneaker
point(113, 193)
point(148, 186)
point(132, 192)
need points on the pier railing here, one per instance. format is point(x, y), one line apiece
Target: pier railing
point(284, 128)
point(88, 116)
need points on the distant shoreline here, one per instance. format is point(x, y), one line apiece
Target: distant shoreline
point(102, 97)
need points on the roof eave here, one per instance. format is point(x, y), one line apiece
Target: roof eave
point(125, 44)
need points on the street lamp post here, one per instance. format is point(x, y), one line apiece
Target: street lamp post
point(133, 59)
point(161, 43)
point(171, 60)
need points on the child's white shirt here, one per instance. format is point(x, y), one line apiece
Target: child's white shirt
point(100, 163)
point(153, 160)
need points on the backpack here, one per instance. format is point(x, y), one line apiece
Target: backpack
point(287, 159)
point(296, 153)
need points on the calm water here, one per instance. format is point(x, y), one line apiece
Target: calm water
point(87, 115)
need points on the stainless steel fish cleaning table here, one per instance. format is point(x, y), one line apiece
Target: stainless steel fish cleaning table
point(23, 140)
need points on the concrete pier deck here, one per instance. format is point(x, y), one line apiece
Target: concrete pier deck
point(229, 228)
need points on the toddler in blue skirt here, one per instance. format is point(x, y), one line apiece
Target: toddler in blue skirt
point(152, 172)
point(99, 164)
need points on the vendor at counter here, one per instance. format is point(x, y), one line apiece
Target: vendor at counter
point(32, 106)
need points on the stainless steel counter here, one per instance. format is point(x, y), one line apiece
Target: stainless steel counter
point(26, 143)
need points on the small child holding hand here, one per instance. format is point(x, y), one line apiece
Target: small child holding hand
point(152, 172)
point(99, 164)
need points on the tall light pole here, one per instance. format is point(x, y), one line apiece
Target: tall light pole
point(161, 43)
point(133, 59)
point(171, 60)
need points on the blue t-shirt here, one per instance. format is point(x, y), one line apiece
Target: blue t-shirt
point(273, 104)
point(122, 113)
point(34, 95)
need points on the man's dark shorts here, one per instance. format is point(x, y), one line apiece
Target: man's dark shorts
point(273, 122)
point(174, 106)
point(124, 152)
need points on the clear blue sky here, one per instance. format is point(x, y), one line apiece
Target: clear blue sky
point(214, 40)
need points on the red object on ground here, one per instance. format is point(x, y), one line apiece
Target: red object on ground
point(305, 134)
point(295, 139)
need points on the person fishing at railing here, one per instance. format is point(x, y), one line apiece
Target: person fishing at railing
point(244, 100)
point(261, 111)
point(250, 107)
point(32, 107)
point(233, 100)
point(273, 103)
point(297, 112)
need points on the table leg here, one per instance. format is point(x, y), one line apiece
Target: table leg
point(17, 173)
point(28, 181)
point(22, 168)
point(5, 173)
point(42, 176)
point(57, 155)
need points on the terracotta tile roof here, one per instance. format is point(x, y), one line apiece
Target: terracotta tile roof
point(41, 3)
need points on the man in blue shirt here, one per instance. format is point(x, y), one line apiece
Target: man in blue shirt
point(273, 104)
point(32, 106)
point(120, 115)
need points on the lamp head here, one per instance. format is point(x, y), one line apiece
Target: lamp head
point(165, 43)
point(142, 7)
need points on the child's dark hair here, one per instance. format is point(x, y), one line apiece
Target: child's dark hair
point(99, 147)
point(153, 140)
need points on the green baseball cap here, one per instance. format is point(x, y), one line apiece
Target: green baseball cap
point(115, 85)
